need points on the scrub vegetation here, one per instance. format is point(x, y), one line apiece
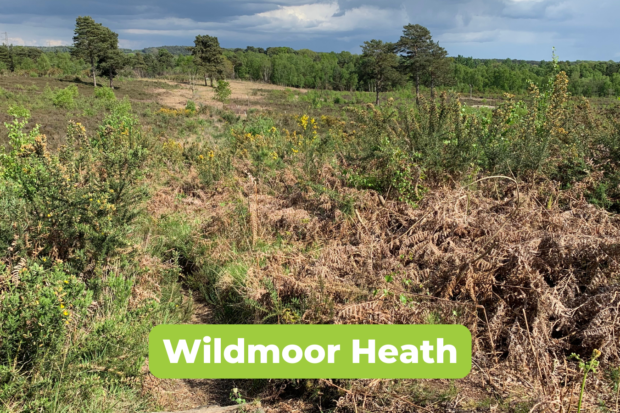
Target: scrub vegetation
point(120, 213)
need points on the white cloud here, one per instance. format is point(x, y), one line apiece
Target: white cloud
point(17, 41)
point(293, 21)
point(128, 44)
point(325, 17)
point(54, 42)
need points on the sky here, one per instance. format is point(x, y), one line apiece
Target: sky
point(517, 29)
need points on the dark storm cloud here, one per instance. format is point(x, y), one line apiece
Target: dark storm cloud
point(483, 28)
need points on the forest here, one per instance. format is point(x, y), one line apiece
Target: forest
point(320, 70)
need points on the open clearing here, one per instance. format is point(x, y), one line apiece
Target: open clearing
point(246, 95)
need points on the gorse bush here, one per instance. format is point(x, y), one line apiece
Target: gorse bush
point(43, 299)
point(80, 201)
point(550, 135)
point(73, 334)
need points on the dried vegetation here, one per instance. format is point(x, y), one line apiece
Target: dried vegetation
point(366, 232)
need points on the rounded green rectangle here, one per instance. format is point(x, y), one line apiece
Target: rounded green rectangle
point(310, 351)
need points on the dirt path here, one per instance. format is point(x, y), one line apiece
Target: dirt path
point(176, 394)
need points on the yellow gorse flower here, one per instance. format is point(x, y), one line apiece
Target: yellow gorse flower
point(303, 121)
point(175, 112)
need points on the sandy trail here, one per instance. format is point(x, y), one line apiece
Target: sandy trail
point(242, 91)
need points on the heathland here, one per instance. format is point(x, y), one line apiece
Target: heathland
point(156, 203)
point(167, 200)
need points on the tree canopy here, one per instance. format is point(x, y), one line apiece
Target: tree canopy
point(380, 63)
point(415, 45)
point(208, 55)
point(92, 41)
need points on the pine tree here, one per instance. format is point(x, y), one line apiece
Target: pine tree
point(208, 55)
point(165, 59)
point(110, 63)
point(379, 63)
point(438, 69)
point(415, 44)
point(91, 41)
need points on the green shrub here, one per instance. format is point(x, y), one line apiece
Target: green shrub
point(63, 98)
point(82, 199)
point(229, 117)
point(222, 91)
point(191, 106)
point(41, 300)
point(105, 93)
point(72, 336)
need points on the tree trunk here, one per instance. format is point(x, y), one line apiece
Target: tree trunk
point(377, 91)
point(211, 79)
point(206, 80)
point(417, 88)
point(92, 63)
point(111, 85)
point(432, 88)
point(470, 91)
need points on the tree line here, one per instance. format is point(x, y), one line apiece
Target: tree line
point(415, 61)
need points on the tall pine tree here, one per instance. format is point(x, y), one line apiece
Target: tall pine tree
point(379, 63)
point(92, 41)
point(415, 44)
point(208, 55)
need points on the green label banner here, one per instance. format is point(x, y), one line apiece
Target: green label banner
point(309, 351)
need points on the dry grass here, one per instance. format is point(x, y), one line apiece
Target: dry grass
point(531, 281)
point(246, 95)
